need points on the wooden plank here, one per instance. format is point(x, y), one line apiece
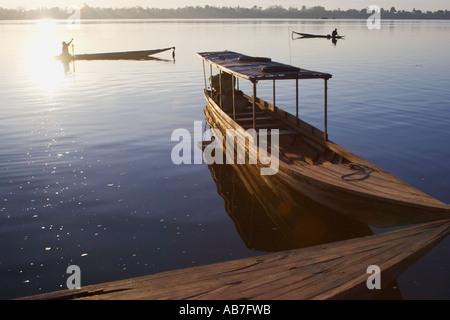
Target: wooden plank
point(330, 271)
point(263, 118)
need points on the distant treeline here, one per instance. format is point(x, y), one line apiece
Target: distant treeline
point(206, 12)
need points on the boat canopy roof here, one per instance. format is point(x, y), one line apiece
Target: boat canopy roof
point(257, 68)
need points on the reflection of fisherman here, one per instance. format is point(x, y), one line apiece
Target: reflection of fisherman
point(65, 48)
point(335, 33)
point(334, 40)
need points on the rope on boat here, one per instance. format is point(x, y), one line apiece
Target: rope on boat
point(360, 169)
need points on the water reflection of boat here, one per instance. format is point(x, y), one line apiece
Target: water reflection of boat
point(126, 55)
point(309, 163)
point(274, 219)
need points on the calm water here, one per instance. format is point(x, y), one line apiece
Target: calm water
point(86, 176)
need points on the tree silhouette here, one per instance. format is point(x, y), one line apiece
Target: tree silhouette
point(207, 12)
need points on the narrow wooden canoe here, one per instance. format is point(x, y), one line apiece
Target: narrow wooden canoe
point(309, 163)
point(333, 271)
point(126, 55)
point(308, 35)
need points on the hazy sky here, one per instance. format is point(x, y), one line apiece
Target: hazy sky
point(328, 4)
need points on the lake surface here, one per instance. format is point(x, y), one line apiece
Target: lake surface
point(86, 176)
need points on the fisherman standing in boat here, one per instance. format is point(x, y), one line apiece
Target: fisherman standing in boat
point(65, 48)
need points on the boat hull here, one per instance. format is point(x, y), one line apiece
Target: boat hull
point(126, 55)
point(308, 35)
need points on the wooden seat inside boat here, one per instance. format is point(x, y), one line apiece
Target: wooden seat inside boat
point(301, 148)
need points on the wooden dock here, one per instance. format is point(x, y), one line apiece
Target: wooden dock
point(333, 271)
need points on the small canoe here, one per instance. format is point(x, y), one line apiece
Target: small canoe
point(337, 270)
point(126, 55)
point(308, 35)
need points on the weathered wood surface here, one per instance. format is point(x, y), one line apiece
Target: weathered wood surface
point(332, 271)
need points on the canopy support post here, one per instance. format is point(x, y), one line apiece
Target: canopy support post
point(220, 89)
point(234, 98)
point(210, 80)
point(204, 74)
point(326, 110)
point(254, 104)
point(274, 110)
point(296, 99)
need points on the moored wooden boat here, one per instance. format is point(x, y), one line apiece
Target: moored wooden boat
point(334, 271)
point(126, 55)
point(308, 162)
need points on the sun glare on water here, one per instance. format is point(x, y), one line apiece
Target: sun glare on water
point(45, 71)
